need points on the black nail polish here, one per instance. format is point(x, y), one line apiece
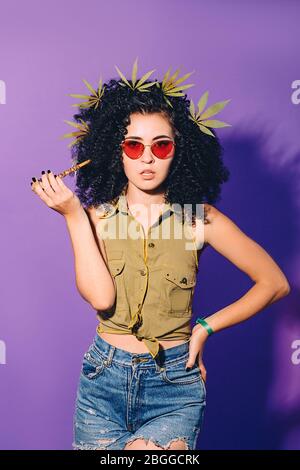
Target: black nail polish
point(55, 176)
point(48, 171)
point(34, 179)
point(31, 183)
point(43, 172)
point(188, 369)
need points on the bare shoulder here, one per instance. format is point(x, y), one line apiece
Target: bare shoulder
point(94, 219)
point(210, 213)
point(91, 212)
point(216, 222)
point(201, 232)
point(226, 237)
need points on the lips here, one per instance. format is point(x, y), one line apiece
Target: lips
point(147, 172)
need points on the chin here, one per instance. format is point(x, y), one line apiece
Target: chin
point(147, 185)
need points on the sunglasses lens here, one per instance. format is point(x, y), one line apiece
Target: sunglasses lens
point(162, 149)
point(133, 149)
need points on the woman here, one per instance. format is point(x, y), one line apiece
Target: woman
point(142, 382)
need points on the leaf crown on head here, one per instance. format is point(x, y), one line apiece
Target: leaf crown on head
point(171, 85)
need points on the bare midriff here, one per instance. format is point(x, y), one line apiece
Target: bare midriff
point(131, 344)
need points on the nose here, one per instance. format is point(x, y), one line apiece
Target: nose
point(147, 154)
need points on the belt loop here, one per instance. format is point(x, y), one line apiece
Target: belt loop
point(111, 352)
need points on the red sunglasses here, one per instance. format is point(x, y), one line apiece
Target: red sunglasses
point(161, 149)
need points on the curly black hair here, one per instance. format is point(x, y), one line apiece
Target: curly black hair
point(196, 172)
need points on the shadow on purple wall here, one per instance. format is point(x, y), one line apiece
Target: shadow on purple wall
point(244, 406)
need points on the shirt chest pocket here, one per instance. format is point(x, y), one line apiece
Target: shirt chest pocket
point(116, 266)
point(177, 292)
point(116, 261)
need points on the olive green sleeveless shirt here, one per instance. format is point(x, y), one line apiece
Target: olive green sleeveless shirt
point(155, 274)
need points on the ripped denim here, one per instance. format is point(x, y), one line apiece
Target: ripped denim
point(124, 396)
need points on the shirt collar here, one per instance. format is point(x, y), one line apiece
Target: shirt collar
point(106, 209)
point(123, 205)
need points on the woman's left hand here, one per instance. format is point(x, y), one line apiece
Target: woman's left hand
point(197, 342)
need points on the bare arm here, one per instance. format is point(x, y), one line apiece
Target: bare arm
point(270, 282)
point(93, 279)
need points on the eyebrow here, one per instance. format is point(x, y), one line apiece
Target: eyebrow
point(154, 138)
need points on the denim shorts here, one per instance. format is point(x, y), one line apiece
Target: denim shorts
point(123, 396)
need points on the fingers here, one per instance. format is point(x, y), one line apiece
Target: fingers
point(48, 183)
point(53, 181)
point(37, 188)
point(60, 182)
point(191, 360)
point(46, 187)
point(193, 353)
point(203, 371)
point(50, 188)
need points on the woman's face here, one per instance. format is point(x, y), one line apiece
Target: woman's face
point(147, 129)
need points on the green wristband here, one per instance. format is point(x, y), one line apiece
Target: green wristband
point(206, 325)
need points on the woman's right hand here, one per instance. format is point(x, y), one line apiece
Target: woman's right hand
point(56, 195)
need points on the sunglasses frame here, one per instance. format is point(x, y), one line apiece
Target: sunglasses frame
point(146, 145)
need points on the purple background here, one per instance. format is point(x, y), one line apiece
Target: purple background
point(246, 51)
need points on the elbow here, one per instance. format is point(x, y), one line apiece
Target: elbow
point(95, 303)
point(278, 289)
point(284, 289)
point(102, 306)
point(108, 303)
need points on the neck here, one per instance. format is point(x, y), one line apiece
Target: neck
point(135, 195)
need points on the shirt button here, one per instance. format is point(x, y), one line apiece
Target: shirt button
point(151, 245)
point(143, 272)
